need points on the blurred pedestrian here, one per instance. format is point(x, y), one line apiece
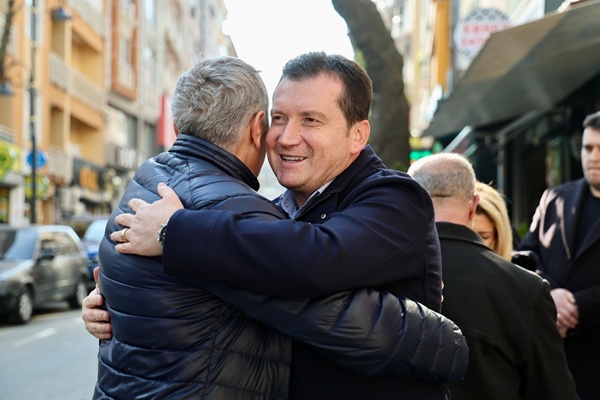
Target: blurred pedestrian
point(491, 221)
point(505, 312)
point(565, 237)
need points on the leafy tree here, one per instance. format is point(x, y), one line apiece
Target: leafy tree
point(389, 114)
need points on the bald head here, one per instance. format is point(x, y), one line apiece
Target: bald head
point(449, 179)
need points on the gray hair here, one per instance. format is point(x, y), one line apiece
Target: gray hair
point(216, 99)
point(446, 175)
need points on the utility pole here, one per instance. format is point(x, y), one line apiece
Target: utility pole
point(32, 115)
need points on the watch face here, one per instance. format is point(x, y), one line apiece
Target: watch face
point(162, 232)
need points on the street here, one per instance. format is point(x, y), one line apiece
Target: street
point(50, 358)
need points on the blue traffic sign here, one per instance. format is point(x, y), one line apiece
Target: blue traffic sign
point(40, 159)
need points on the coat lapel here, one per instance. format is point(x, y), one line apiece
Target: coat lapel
point(566, 209)
point(594, 235)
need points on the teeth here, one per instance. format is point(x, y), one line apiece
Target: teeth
point(288, 158)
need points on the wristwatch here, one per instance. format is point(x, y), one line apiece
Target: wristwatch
point(162, 232)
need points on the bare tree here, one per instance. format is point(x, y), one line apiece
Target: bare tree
point(389, 114)
point(5, 39)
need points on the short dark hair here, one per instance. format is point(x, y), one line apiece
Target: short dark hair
point(357, 94)
point(592, 121)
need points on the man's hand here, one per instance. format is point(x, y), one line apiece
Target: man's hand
point(140, 236)
point(97, 321)
point(567, 313)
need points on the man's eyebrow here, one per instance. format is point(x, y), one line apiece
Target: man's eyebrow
point(308, 113)
point(313, 114)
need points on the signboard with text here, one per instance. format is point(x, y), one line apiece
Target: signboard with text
point(475, 28)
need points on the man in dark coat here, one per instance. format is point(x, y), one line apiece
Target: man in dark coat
point(565, 237)
point(506, 312)
point(369, 226)
point(365, 331)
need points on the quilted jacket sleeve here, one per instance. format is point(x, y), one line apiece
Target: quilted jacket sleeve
point(371, 332)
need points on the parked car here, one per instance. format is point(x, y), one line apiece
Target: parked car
point(40, 264)
point(91, 241)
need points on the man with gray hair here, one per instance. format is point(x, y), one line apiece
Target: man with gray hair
point(505, 312)
point(176, 337)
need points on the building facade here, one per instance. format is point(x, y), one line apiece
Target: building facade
point(516, 105)
point(87, 85)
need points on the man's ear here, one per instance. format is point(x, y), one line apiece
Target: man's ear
point(360, 135)
point(256, 129)
point(175, 129)
point(473, 208)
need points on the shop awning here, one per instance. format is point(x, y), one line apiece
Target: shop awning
point(527, 68)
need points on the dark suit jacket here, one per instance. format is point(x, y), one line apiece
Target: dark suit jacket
point(508, 317)
point(552, 236)
point(371, 227)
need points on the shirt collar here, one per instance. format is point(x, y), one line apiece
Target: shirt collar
point(288, 201)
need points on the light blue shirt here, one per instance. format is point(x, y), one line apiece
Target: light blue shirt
point(290, 206)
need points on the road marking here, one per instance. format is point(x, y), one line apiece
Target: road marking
point(39, 335)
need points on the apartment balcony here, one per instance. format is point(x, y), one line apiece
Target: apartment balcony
point(93, 17)
point(7, 134)
point(75, 84)
point(60, 165)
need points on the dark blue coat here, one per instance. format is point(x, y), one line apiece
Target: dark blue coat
point(371, 227)
point(552, 238)
point(172, 338)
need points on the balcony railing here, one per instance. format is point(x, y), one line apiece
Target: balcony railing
point(7, 134)
point(75, 83)
point(90, 15)
point(60, 164)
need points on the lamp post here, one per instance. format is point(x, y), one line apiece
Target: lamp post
point(32, 115)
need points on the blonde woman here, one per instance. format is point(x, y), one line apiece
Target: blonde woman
point(491, 221)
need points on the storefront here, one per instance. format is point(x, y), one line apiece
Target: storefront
point(517, 110)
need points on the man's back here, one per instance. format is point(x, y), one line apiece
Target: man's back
point(506, 313)
point(171, 338)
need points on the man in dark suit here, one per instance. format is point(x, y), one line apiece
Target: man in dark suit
point(565, 237)
point(505, 312)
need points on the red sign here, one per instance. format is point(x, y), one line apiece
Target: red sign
point(472, 32)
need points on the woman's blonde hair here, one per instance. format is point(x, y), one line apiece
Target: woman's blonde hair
point(492, 204)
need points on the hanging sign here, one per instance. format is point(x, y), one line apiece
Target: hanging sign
point(473, 31)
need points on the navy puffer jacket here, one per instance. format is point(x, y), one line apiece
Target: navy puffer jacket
point(370, 332)
point(172, 339)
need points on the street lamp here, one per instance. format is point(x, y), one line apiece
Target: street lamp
point(32, 116)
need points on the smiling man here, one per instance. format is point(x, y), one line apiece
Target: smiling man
point(368, 226)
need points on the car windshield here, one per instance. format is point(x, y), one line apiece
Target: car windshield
point(17, 244)
point(95, 231)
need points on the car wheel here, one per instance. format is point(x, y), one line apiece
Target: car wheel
point(81, 292)
point(22, 314)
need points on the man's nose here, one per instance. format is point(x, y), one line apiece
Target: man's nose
point(290, 134)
